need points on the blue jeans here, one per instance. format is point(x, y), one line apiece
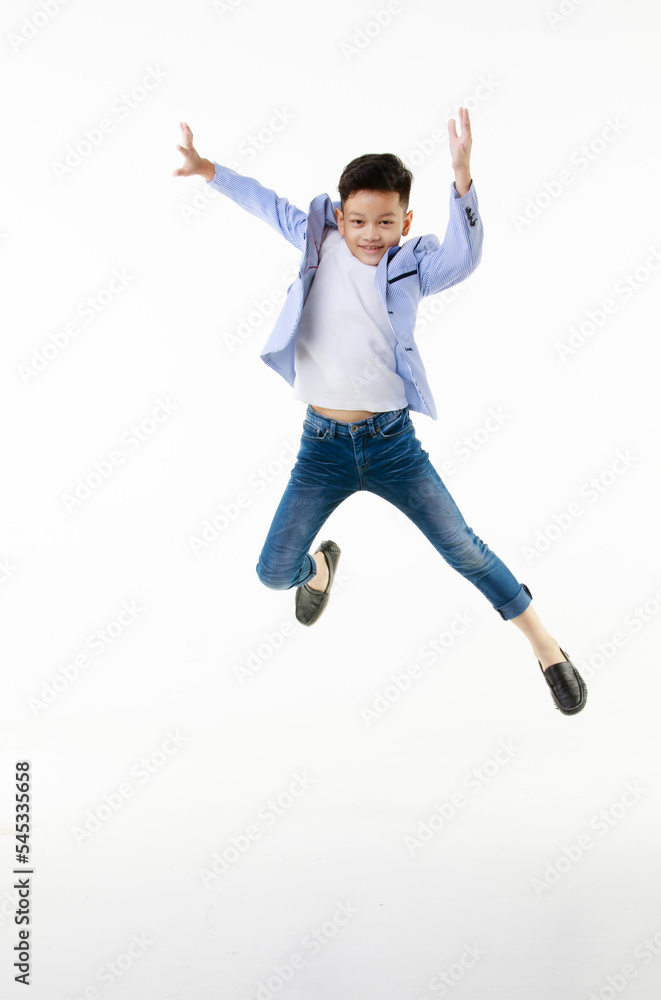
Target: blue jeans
point(383, 455)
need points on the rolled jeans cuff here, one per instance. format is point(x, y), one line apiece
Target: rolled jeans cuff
point(517, 605)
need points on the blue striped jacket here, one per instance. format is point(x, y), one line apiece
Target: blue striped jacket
point(405, 273)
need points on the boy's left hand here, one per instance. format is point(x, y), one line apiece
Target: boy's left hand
point(460, 146)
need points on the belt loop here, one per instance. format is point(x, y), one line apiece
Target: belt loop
point(332, 428)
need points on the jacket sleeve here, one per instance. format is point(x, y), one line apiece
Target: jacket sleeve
point(289, 221)
point(461, 250)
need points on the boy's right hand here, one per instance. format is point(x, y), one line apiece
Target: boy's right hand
point(194, 163)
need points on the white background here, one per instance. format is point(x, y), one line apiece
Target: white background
point(155, 751)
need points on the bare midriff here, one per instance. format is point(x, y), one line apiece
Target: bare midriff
point(345, 416)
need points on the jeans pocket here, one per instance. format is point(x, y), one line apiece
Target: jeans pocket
point(313, 433)
point(398, 424)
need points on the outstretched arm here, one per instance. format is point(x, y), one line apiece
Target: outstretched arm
point(461, 250)
point(285, 218)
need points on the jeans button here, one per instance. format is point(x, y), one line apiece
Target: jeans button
point(354, 427)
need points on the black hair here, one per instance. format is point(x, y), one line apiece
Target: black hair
point(376, 172)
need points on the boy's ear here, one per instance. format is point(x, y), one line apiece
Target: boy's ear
point(339, 215)
point(408, 218)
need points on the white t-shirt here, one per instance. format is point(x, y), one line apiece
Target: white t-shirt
point(345, 345)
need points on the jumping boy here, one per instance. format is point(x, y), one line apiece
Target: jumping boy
point(344, 341)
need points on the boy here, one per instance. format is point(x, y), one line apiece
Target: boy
point(344, 341)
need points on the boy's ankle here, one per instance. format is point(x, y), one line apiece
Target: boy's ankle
point(320, 580)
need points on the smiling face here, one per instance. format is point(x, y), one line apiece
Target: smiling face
point(371, 222)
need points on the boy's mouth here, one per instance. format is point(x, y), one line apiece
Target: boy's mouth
point(370, 249)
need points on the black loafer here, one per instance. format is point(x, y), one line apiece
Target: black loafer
point(311, 603)
point(567, 686)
